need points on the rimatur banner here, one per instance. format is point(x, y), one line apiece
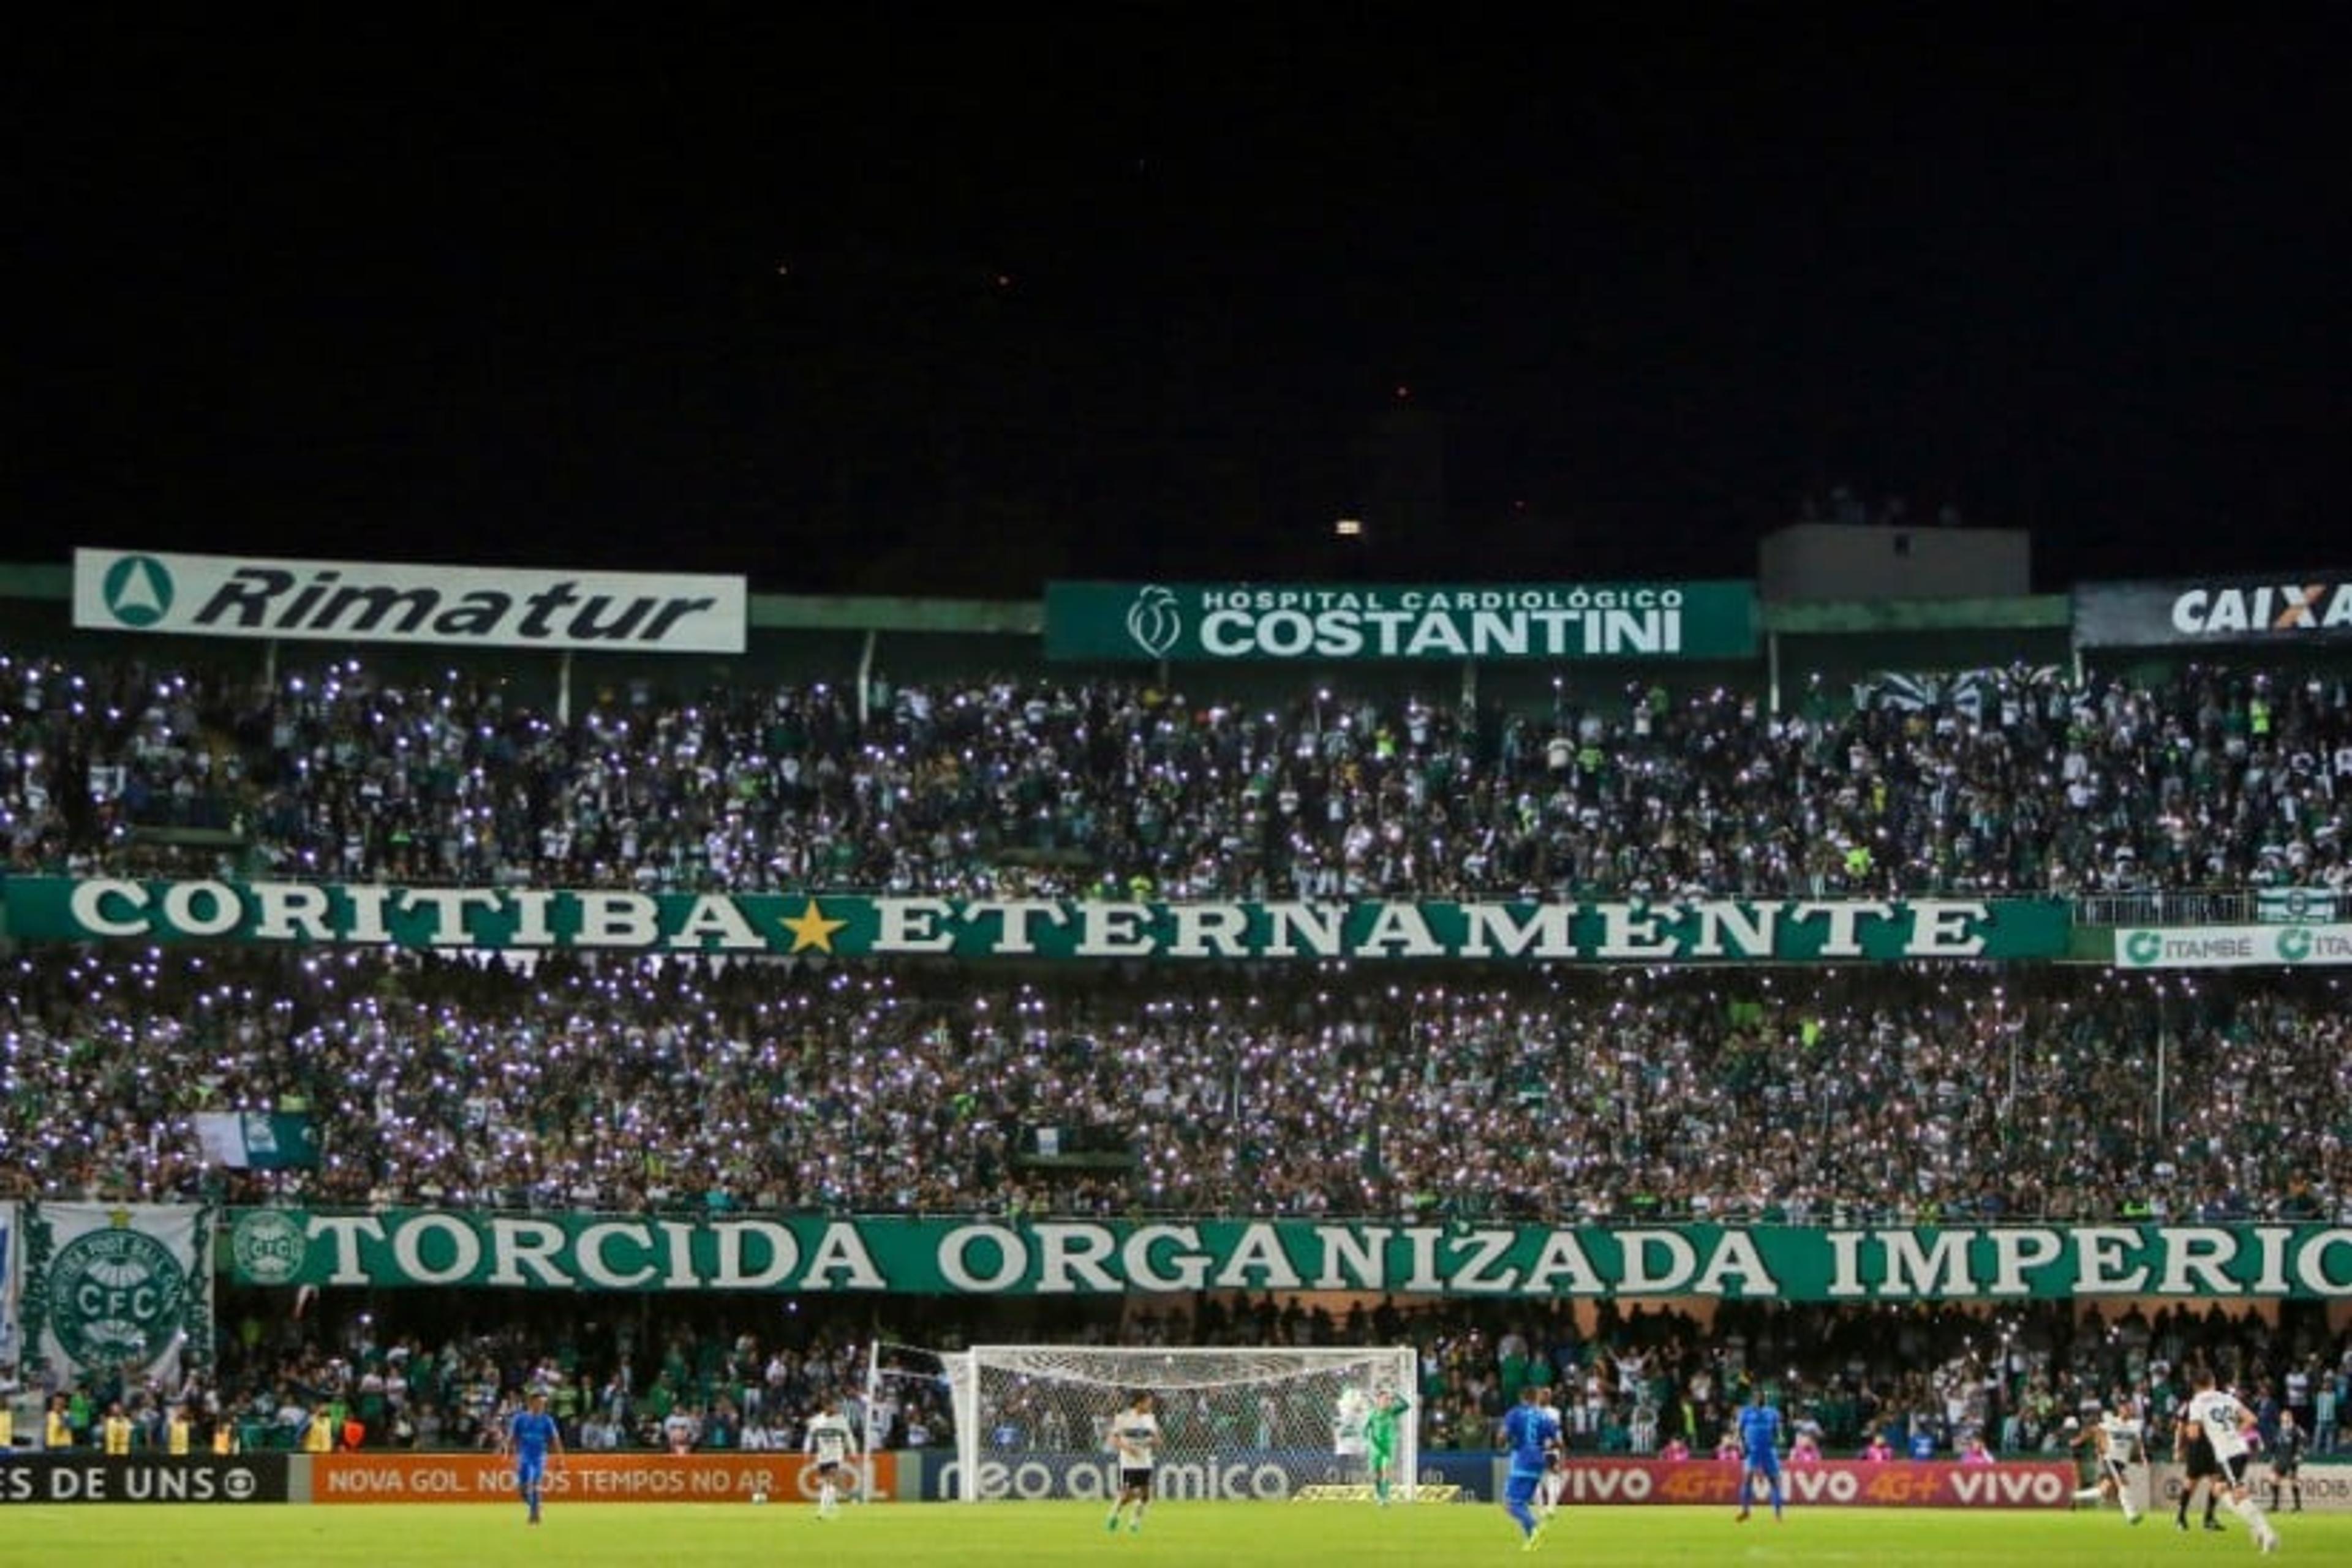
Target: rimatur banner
point(374, 600)
point(778, 1476)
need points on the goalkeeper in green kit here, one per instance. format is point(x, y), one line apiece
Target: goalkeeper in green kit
point(1380, 1439)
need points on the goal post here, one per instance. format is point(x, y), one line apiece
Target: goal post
point(907, 1388)
point(1236, 1424)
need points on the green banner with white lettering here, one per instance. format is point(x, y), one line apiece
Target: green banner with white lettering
point(444, 1249)
point(1559, 622)
point(1798, 931)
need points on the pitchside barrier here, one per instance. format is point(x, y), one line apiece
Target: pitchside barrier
point(1839, 1483)
point(930, 1475)
point(386, 1477)
point(45, 1477)
point(2326, 1487)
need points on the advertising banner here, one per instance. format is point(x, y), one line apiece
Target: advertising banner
point(72, 1477)
point(2316, 608)
point(444, 606)
point(1798, 931)
point(116, 1288)
point(391, 1249)
point(2231, 947)
point(1244, 1475)
point(379, 1477)
point(1557, 622)
point(1850, 1483)
point(2326, 1488)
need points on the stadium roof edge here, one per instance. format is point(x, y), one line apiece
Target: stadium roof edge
point(2037, 612)
point(1026, 617)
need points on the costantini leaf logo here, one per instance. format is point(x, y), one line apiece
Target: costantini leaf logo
point(2294, 944)
point(138, 590)
point(1153, 620)
point(2142, 946)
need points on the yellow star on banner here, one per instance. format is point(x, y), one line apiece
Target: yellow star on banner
point(813, 930)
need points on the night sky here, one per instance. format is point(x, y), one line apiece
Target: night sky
point(953, 303)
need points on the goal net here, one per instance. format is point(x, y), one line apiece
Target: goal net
point(1033, 1421)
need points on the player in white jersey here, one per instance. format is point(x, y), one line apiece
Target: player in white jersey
point(1134, 1438)
point(1347, 1431)
point(2229, 1426)
point(830, 1439)
point(1554, 1476)
point(2118, 1446)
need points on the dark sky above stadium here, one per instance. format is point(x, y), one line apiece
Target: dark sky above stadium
point(950, 301)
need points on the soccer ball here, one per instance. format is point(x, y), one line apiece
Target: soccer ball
point(759, 1497)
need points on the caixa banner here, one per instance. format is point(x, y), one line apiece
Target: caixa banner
point(92, 1478)
point(1846, 1483)
point(2308, 607)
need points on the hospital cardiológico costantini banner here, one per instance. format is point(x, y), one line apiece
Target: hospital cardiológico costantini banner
point(1217, 622)
point(445, 607)
point(1802, 930)
point(2307, 607)
point(456, 1249)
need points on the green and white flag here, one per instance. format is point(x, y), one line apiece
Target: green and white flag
point(2298, 906)
point(116, 1286)
point(8, 1341)
point(257, 1140)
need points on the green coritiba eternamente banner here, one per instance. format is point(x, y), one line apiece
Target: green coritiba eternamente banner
point(447, 1248)
point(1798, 931)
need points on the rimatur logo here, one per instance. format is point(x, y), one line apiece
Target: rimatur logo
point(408, 602)
point(138, 591)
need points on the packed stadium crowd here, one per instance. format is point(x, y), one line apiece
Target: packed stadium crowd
point(1908, 1092)
point(1924, 1380)
point(1897, 1092)
point(2208, 777)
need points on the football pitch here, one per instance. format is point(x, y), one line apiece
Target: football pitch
point(902, 1535)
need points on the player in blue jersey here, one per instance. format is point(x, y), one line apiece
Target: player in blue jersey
point(1759, 1452)
point(531, 1436)
point(1530, 1434)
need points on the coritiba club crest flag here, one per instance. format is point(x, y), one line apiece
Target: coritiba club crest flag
point(123, 1287)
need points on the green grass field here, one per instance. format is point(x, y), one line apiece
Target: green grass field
point(902, 1535)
